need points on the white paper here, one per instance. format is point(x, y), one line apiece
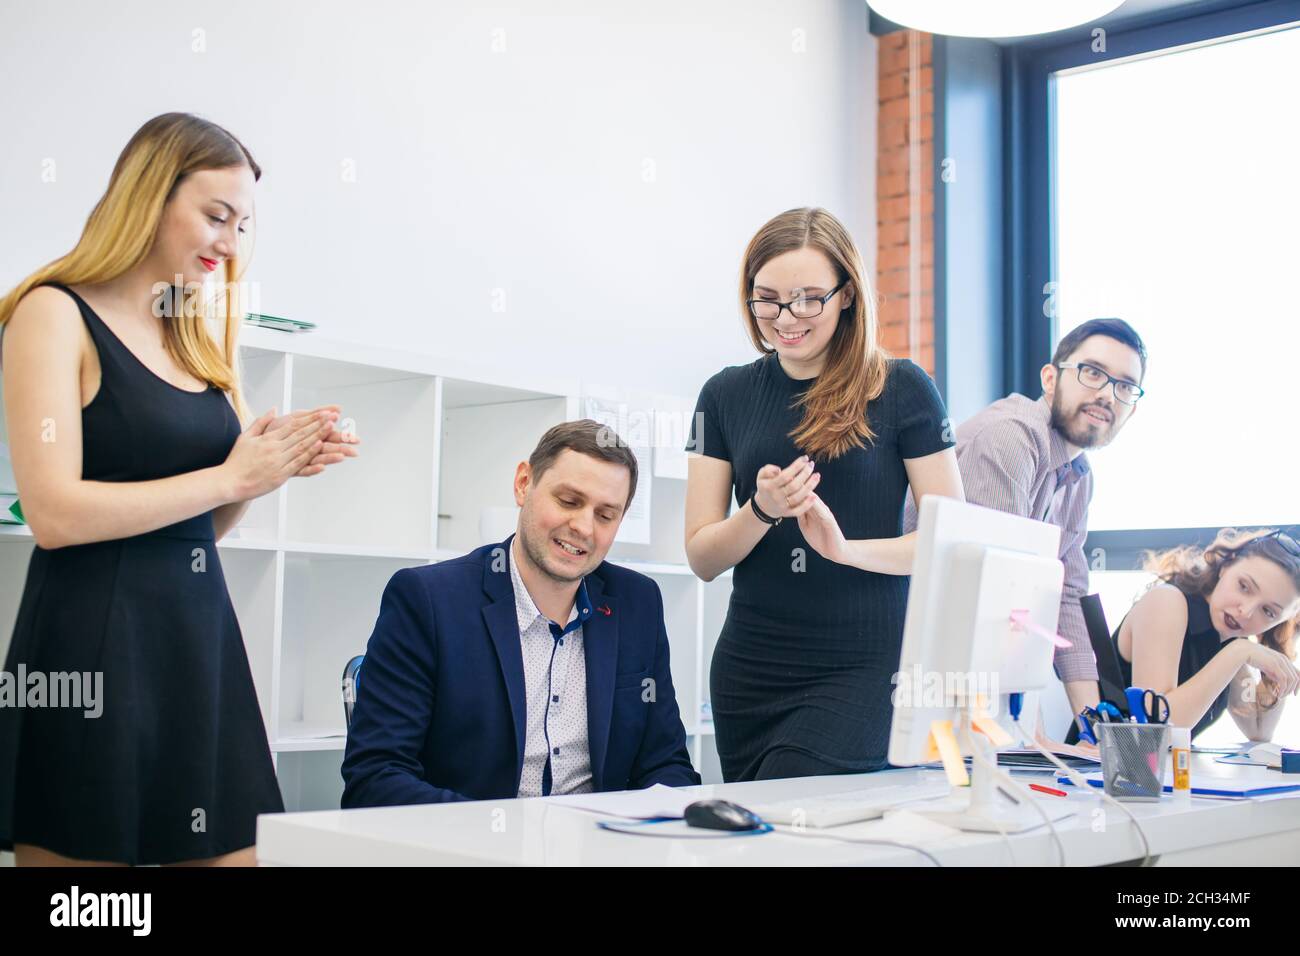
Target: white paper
point(7, 484)
point(656, 801)
point(672, 430)
point(635, 426)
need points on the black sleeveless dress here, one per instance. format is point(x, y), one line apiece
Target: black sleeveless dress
point(802, 675)
point(176, 766)
point(1200, 643)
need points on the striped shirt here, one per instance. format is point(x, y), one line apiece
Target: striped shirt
point(556, 756)
point(1012, 459)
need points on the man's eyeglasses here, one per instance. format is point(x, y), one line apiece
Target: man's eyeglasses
point(804, 307)
point(1096, 379)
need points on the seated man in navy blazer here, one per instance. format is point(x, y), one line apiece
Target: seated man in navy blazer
point(472, 690)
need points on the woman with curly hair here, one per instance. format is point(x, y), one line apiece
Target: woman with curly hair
point(1214, 614)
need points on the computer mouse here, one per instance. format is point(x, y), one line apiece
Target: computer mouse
point(720, 815)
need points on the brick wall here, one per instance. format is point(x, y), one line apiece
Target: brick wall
point(905, 276)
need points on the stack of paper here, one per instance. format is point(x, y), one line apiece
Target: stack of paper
point(652, 803)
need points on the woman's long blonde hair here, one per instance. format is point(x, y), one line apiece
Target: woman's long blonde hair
point(124, 223)
point(835, 407)
point(1196, 570)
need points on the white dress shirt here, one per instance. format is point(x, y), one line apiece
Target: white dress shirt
point(555, 688)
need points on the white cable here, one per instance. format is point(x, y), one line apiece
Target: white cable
point(1016, 787)
point(1002, 832)
point(790, 831)
point(1078, 780)
point(622, 827)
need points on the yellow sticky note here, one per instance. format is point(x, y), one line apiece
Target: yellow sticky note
point(991, 729)
point(943, 738)
point(931, 751)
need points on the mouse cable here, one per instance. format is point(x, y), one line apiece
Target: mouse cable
point(821, 835)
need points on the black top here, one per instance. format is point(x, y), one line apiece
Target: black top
point(176, 766)
point(800, 680)
point(1200, 643)
point(745, 415)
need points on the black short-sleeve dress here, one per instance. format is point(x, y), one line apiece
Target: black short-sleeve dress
point(800, 681)
point(176, 765)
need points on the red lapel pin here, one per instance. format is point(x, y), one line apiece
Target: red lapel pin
point(606, 610)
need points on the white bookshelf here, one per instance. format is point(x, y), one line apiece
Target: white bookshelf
point(308, 564)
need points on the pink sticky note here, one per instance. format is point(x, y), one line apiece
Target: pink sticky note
point(1020, 619)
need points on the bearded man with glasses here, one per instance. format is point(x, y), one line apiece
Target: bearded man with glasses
point(1028, 457)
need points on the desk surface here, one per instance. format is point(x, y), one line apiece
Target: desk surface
point(538, 832)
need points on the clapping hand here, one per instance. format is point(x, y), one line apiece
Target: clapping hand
point(335, 446)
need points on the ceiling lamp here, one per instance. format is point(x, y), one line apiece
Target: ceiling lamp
point(991, 18)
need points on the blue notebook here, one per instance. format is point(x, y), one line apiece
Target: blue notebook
point(1225, 780)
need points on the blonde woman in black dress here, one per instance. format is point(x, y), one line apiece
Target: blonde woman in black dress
point(124, 418)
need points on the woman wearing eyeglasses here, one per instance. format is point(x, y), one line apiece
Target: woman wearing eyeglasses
point(819, 439)
point(1213, 615)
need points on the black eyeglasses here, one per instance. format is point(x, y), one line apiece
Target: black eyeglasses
point(1096, 379)
point(804, 307)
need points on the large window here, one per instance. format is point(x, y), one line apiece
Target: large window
point(1177, 208)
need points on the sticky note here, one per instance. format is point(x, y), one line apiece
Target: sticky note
point(943, 738)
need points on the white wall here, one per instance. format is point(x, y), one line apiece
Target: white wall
point(522, 170)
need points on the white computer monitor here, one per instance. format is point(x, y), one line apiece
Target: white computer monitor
point(974, 567)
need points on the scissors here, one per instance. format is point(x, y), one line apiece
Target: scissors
point(1147, 706)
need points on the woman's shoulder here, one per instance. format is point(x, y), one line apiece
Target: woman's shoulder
point(50, 302)
point(49, 317)
point(904, 373)
point(732, 379)
point(1167, 603)
point(908, 392)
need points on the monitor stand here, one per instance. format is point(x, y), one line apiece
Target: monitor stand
point(981, 807)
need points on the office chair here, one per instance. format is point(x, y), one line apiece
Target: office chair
point(351, 683)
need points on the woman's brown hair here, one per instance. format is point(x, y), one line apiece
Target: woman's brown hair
point(1196, 570)
point(835, 407)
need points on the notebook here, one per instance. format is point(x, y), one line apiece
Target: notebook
point(1219, 780)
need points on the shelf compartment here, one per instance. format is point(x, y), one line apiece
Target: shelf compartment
point(384, 498)
point(330, 606)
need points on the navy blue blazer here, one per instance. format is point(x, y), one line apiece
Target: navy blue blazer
point(439, 714)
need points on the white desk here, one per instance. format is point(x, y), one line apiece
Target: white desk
point(537, 832)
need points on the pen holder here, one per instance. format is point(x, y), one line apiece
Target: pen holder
point(1133, 759)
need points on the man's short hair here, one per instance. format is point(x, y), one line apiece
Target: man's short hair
point(587, 437)
point(1116, 329)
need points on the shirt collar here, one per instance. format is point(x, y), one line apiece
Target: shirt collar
point(526, 611)
point(1079, 466)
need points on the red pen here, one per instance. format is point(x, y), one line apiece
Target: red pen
point(1041, 789)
